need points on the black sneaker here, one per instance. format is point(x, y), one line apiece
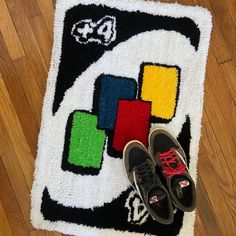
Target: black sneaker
point(140, 171)
point(170, 158)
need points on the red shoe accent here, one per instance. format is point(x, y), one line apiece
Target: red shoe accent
point(184, 183)
point(132, 123)
point(154, 200)
point(168, 158)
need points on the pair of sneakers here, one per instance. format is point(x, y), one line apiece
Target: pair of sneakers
point(160, 175)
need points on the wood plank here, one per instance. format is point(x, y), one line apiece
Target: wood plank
point(226, 23)
point(37, 233)
point(42, 37)
point(31, 8)
point(217, 159)
point(219, 45)
point(204, 117)
point(219, 110)
point(9, 33)
point(34, 58)
point(18, 98)
point(43, 233)
point(16, 135)
point(205, 211)
point(5, 228)
point(232, 9)
point(53, 233)
point(166, 1)
point(14, 171)
point(209, 179)
point(47, 11)
point(187, 2)
point(228, 72)
point(30, 86)
point(199, 229)
point(9, 202)
point(219, 85)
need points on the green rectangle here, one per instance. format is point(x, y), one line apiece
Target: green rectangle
point(86, 141)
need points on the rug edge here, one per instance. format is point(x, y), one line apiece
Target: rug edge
point(55, 56)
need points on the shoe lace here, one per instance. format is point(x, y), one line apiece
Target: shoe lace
point(145, 174)
point(171, 164)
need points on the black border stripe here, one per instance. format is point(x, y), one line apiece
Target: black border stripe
point(112, 215)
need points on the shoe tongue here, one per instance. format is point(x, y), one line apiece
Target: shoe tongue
point(179, 185)
point(156, 196)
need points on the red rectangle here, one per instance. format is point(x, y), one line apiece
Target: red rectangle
point(132, 123)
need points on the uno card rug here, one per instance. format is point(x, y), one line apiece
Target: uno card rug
point(119, 68)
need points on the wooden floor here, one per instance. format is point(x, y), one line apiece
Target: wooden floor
point(26, 28)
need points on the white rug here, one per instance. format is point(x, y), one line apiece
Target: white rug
point(119, 68)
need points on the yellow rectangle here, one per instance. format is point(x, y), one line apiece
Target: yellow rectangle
point(160, 86)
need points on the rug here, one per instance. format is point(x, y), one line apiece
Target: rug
point(119, 68)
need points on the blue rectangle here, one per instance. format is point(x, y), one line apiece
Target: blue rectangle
point(113, 88)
